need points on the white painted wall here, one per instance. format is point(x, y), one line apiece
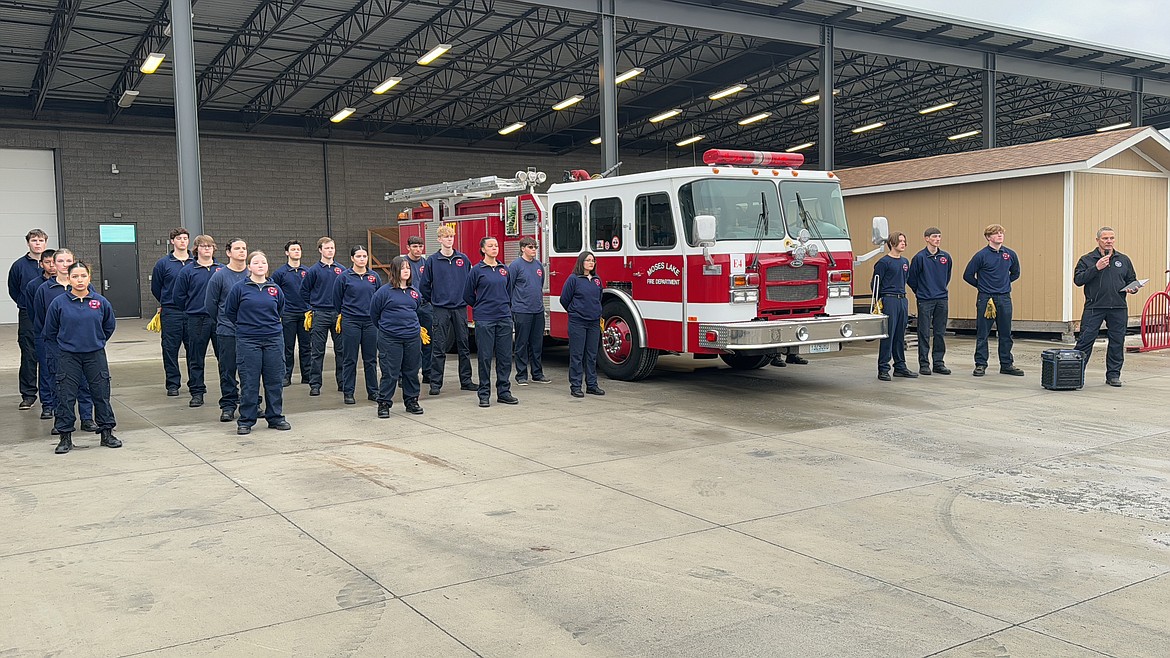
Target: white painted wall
point(28, 200)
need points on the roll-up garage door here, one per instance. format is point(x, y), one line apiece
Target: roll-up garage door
point(28, 200)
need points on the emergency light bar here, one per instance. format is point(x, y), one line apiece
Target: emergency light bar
point(752, 158)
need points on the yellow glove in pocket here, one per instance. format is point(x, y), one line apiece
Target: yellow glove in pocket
point(422, 333)
point(308, 320)
point(989, 312)
point(879, 307)
point(337, 325)
point(602, 323)
point(155, 323)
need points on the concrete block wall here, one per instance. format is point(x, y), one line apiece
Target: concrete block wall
point(263, 189)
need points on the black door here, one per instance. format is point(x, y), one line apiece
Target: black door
point(119, 269)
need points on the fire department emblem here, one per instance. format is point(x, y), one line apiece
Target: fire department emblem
point(905, 267)
point(273, 291)
point(370, 278)
point(1117, 263)
point(414, 293)
point(458, 262)
point(1007, 256)
point(597, 280)
point(615, 243)
point(337, 270)
point(943, 260)
point(503, 272)
point(303, 273)
point(93, 303)
point(421, 269)
point(539, 272)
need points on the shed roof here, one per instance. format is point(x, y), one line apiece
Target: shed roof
point(1006, 162)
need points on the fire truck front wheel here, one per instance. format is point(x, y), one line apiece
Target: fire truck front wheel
point(620, 356)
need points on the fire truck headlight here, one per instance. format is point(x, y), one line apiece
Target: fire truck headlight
point(847, 330)
point(739, 297)
point(753, 296)
point(802, 333)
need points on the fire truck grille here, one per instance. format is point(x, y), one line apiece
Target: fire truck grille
point(784, 273)
point(799, 293)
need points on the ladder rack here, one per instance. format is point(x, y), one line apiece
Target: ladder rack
point(482, 187)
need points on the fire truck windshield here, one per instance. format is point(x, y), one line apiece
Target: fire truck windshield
point(822, 203)
point(736, 205)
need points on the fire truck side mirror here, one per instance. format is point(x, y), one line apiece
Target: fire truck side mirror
point(881, 230)
point(705, 226)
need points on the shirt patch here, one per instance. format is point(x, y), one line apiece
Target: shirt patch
point(597, 281)
point(943, 260)
point(1117, 264)
point(458, 262)
point(370, 278)
point(414, 293)
point(273, 291)
point(337, 270)
point(539, 272)
point(93, 303)
point(422, 268)
point(905, 267)
point(503, 272)
point(303, 274)
point(1007, 256)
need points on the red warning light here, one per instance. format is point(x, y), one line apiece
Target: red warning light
point(752, 158)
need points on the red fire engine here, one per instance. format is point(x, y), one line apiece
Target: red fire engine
point(745, 258)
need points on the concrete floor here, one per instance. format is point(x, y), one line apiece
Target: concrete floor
point(805, 511)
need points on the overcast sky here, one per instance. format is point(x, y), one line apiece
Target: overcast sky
point(1136, 25)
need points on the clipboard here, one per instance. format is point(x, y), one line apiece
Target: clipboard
point(1135, 286)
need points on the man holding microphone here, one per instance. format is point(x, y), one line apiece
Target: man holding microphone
point(1107, 276)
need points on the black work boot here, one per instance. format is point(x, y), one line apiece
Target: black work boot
point(383, 410)
point(412, 406)
point(66, 443)
point(109, 440)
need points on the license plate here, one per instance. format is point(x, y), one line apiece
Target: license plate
point(823, 348)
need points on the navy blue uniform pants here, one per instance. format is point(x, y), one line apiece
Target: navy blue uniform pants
point(46, 382)
point(73, 369)
point(493, 342)
point(174, 334)
point(229, 389)
point(200, 329)
point(584, 338)
point(932, 327)
point(260, 359)
point(399, 359)
point(450, 322)
point(1116, 320)
point(26, 341)
point(529, 345)
point(359, 333)
point(323, 323)
point(1003, 329)
point(893, 346)
point(52, 395)
point(296, 336)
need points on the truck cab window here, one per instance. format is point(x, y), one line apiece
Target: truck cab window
point(653, 222)
point(744, 209)
point(605, 224)
point(566, 227)
point(824, 211)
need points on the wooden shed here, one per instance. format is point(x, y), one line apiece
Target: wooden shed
point(1051, 197)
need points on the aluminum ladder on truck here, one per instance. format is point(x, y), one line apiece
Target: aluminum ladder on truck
point(481, 188)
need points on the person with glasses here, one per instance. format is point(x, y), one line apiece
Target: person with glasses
point(581, 299)
point(527, 274)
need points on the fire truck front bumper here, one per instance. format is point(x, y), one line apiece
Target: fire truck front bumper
point(808, 335)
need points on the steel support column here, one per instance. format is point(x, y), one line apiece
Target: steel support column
point(989, 101)
point(187, 118)
point(825, 137)
point(606, 74)
point(1136, 97)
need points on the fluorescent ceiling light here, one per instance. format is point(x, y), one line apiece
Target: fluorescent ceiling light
point(1034, 117)
point(152, 62)
point(969, 133)
point(511, 128)
point(665, 115)
point(754, 118)
point(1116, 126)
point(868, 127)
point(938, 108)
point(690, 140)
point(342, 115)
point(385, 86)
point(733, 89)
point(127, 98)
point(632, 73)
point(816, 97)
point(894, 152)
point(800, 147)
point(434, 53)
point(595, 141)
point(568, 102)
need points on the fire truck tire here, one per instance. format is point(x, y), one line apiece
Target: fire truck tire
point(745, 361)
point(620, 356)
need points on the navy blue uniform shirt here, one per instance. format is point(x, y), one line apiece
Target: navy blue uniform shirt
point(24, 269)
point(527, 286)
point(395, 310)
point(489, 292)
point(352, 293)
point(992, 271)
point(930, 275)
point(254, 308)
point(218, 287)
point(80, 324)
point(191, 287)
point(45, 295)
point(892, 273)
point(445, 279)
point(162, 279)
point(317, 286)
point(289, 279)
point(581, 297)
point(30, 293)
point(417, 267)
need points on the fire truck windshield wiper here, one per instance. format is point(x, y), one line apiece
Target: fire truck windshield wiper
point(761, 229)
point(812, 227)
